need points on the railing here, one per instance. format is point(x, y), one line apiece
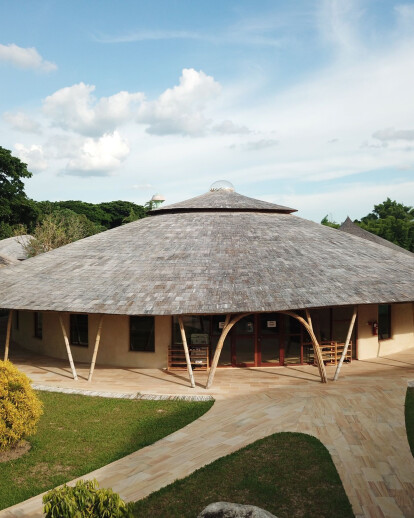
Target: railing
point(332, 351)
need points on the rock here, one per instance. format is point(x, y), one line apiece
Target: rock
point(229, 510)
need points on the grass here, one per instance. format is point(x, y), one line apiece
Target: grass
point(288, 474)
point(409, 417)
point(78, 434)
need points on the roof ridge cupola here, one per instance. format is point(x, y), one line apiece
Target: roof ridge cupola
point(222, 197)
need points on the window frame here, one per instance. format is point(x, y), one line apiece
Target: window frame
point(73, 331)
point(38, 325)
point(388, 323)
point(150, 346)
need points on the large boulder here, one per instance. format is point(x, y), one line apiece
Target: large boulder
point(229, 510)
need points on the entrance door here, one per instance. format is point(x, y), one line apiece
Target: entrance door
point(293, 341)
point(243, 342)
point(269, 339)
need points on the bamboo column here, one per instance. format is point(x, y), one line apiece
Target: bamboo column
point(348, 338)
point(187, 354)
point(65, 337)
point(8, 332)
point(95, 351)
point(228, 324)
point(308, 326)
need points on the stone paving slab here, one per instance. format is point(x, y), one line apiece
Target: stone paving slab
point(359, 418)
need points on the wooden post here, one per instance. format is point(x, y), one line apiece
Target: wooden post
point(187, 354)
point(308, 317)
point(348, 338)
point(95, 351)
point(65, 337)
point(318, 356)
point(228, 324)
point(8, 332)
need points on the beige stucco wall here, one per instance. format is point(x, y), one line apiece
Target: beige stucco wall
point(402, 331)
point(114, 345)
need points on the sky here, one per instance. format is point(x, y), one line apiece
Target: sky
point(308, 104)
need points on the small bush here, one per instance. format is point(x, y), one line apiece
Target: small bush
point(85, 500)
point(20, 409)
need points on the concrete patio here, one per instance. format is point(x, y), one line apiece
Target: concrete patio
point(359, 418)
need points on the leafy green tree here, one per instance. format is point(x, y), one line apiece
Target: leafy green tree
point(59, 228)
point(392, 221)
point(328, 223)
point(119, 210)
point(15, 207)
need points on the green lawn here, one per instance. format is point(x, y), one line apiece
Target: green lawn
point(288, 474)
point(78, 434)
point(409, 417)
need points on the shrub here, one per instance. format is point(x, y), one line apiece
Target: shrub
point(85, 500)
point(20, 409)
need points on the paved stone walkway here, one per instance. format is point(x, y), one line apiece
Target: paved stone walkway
point(359, 418)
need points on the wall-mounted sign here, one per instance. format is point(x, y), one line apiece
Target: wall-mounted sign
point(271, 323)
point(199, 339)
point(221, 325)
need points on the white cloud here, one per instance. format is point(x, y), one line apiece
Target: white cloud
point(338, 25)
point(258, 145)
point(75, 108)
point(32, 155)
point(180, 110)
point(26, 58)
point(405, 18)
point(22, 122)
point(148, 35)
point(142, 186)
point(228, 127)
point(390, 134)
point(99, 157)
point(354, 200)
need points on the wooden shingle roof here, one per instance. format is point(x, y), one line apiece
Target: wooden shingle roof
point(210, 262)
point(12, 247)
point(6, 261)
point(349, 226)
point(223, 200)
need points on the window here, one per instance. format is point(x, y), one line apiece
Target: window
point(384, 321)
point(38, 325)
point(79, 330)
point(16, 320)
point(141, 333)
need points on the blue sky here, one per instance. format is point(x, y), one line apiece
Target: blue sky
point(308, 104)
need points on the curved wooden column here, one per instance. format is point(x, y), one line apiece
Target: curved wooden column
point(8, 333)
point(228, 324)
point(187, 354)
point(95, 351)
point(67, 345)
point(348, 339)
point(309, 328)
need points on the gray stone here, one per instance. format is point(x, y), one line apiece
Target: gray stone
point(229, 510)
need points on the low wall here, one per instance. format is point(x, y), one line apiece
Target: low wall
point(402, 331)
point(114, 344)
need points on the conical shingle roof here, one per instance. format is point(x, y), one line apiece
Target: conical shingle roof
point(351, 228)
point(210, 261)
point(223, 200)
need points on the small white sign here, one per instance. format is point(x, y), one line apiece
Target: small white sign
point(221, 325)
point(271, 323)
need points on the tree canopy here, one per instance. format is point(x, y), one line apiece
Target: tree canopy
point(392, 221)
point(15, 207)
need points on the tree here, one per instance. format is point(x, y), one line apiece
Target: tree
point(119, 210)
point(392, 221)
point(57, 229)
point(15, 207)
point(328, 223)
